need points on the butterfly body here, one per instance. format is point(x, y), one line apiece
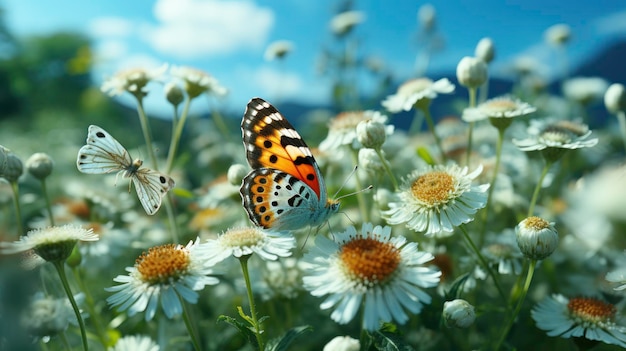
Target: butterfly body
point(103, 154)
point(285, 189)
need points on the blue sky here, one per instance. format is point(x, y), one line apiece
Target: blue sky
point(227, 38)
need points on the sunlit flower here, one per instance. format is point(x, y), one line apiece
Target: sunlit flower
point(383, 274)
point(278, 50)
point(342, 343)
point(163, 274)
point(344, 22)
point(500, 107)
point(135, 343)
point(52, 243)
point(437, 199)
point(415, 91)
point(471, 72)
point(246, 241)
point(618, 276)
point(579, 317)
point(585, 89)
point(342, 128)
point(196, 82)
point(134, 81)
point(555, 137)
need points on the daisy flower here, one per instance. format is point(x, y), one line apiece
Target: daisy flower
point(585, 90)
point(617, 276)
point(164, 274)
point(503, 253)
point(47, 316)
point(53, 244)
point(500, 107)
point(133, 80)
point(135, 343)
point(197, 82)
point(385, 275)
point(245, 241)
point(414, 91)
point(437, 199)
point(579, 317)
point(343, 23)
point(342, 128)
point(555, 137)
point(278, 50)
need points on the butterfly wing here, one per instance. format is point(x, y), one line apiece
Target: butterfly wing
point(278, 200)
point(102, 154)
point(272, 142)
point(151, 186)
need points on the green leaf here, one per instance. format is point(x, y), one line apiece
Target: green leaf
point(282, 344)
point(455, 289)
point(389, 339)
point(423, 153)
point(243, 329)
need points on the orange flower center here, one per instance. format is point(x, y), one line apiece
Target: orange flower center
point(369, 260)
point(433, 188)
point(591, 310)
point(536, 223)
point(163, 264)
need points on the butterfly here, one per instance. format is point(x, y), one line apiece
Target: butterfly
point(285, 189)
point(103, 154)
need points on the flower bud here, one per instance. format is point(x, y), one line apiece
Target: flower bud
point(39, 165)
point(13, 168)
point(485, 50)
point(3, 158)
point(343, 343)
point(558, 34)
point(369, 161)
point(615, 98)
point(458, 313)
point(236, 173)
point(471, 72)
point(427, 16)
point(536, 238)
point(174, 93)
point(371, 134)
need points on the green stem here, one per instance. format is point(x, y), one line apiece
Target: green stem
point(621, 119)
point(147, 134)
point(359, 195)
point(47, 198)
point(518, 307)
point(89, 302)
point(188, 323)
point(60, 267)
point(431, 128)
point(472, 103)
point(493, 184)
point(177, 131)
point(171, 216)
point(220, 123)
point(18, 212)
point(253, 314)
point(482, 260)
point(533, 201)
point(394, 182)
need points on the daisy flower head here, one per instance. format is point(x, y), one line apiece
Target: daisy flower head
point(414, 91)
point(503, 107)
point(197, 82)
point(163, 274)
point(585, 90)
point(342, 130)
point(135, 343)
point(618, 277)
point(384, 274)
point(134, 81)
point(437, 199)
point(579, 317)
point(344, 22)
point(53, 244)
point(47, 316)
point(503, 253)
point(245, 241)
point(278, 50)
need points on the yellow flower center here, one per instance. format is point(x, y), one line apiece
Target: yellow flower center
point(433, 188)
point(414, 86)
point(369, 260)
point(536, 223)
point(347, 120)
point(499, 250)
point(242, 237)
point(502, 105)
point(590, 310)
point(163, 264)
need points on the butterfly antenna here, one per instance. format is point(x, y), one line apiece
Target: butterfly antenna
point(345, 181)
point(370, 187)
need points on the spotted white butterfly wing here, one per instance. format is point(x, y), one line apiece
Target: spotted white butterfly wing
point(104, 154)
point(285, 189)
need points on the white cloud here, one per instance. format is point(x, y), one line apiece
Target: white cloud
point(110, 49)
point(278, 83)
point(196, 28)
point(614, 23)
point(110, 27)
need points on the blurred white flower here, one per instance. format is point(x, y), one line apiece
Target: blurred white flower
point(415, 91)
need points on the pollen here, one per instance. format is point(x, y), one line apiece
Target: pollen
point(536, 223)
point(590, 310)
point(163, 264)
point(242, 237)
point(370, 261)
point(557, 134)
point(433, 188)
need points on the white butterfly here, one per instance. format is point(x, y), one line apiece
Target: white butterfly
point(103, 154)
